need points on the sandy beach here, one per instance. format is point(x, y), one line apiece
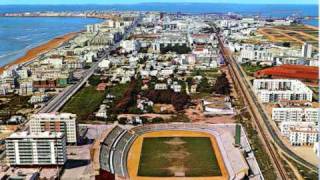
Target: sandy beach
point(35, 52)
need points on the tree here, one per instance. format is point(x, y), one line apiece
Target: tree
point(94, 80)
point(222, 85)
point(157, 120)
point(189, 80)
point(204, 86)
point(122, 120)
point(180, 100)
point(179, 49)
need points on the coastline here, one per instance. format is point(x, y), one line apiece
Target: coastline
point(38, 50)
point(311, 26)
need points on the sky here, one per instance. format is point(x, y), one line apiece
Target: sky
point(14, 2)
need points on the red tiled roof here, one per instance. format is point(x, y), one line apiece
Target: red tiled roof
point(290, 71)
point(101, 87)
point(200, 35)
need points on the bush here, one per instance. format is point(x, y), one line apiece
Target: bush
point(122, 120)
point(183, 49)
point(157, 120)
point(94, 80)
point(134, 110)
point(204, 86)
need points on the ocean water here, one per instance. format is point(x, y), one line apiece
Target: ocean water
point(19, 34)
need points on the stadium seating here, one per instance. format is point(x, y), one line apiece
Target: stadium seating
point(115, 147)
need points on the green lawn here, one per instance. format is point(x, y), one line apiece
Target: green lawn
point(251, 69)
point(118, 90)
point(214, 72)
point(84, 102)
point(165, 156)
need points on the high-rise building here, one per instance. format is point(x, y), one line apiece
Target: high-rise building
point(46, 148)
point(55, 122)
point(306, 50)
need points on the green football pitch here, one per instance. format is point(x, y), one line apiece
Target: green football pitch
point(178, 156)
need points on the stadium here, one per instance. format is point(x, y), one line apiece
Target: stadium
point(174, 151)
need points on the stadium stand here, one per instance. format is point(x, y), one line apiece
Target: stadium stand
point(106, 148)
point(116, 145)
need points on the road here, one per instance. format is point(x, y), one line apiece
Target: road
point(262, 121)
point(58, 101)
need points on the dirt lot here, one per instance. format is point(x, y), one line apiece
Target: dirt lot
point(295, 34)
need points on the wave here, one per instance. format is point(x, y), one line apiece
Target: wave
point(26, 37)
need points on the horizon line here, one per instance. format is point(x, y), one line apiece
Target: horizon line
point(136, 3)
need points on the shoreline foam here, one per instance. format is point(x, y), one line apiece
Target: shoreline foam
point(38, 50)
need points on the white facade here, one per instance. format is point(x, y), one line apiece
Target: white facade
point(295, 114)
point(44, 148)
point(260, 54)
point(274, 90)
point(130, 45)
point(92, 28)
point(104, 64)
point(300, 133)
point(306, 50)
point(304, 136)
point(161, 86)
point(55, 122)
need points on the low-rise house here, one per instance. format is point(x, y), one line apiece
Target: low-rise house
point(38, 98)
point(176, 88)
point(102, 112)
point(142, 104)
point(101, 87)
point(104, 64)
point(193, 88)
point(161, 86)
point(16, 120)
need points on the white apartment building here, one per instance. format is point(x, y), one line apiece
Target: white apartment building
point(274, 90)
point(92, 28)
point(23, 148)
point(250, 53)
point(55, 122)
point(304, 136)
point(130, 45)
point(300, 133)
point(306, 50)
point(285, 126)
point(295, 114)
